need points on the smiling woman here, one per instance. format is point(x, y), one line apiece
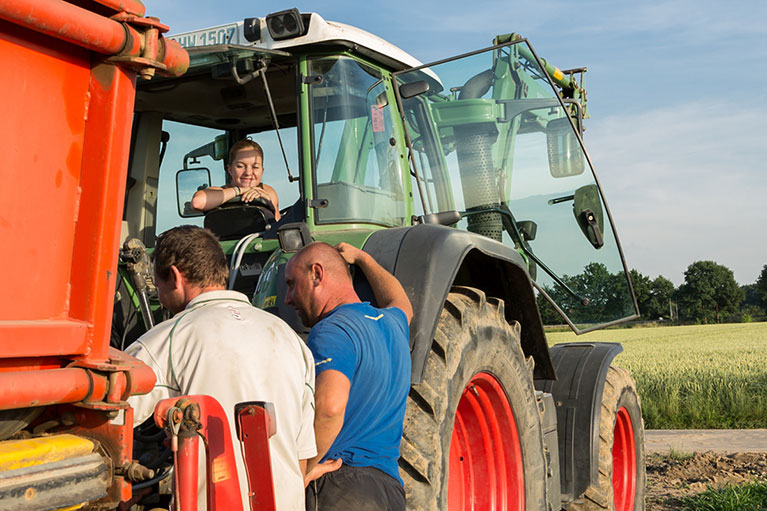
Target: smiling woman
point(245, 169)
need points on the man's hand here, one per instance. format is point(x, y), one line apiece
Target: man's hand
point(322, 469)
point(386, 288)
point(350, 253)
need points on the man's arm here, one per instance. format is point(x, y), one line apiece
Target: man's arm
point(143, 405)
point(330, 400)
point(386, 288)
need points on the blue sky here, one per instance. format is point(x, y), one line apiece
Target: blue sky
point(677, 91)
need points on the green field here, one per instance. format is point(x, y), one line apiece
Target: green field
point(690, 377)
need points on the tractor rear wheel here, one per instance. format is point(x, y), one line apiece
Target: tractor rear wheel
point(621, 483)
point(472, 437)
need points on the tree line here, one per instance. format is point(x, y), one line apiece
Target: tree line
point(709, 294)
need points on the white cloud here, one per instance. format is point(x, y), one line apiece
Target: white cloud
point(685, 184)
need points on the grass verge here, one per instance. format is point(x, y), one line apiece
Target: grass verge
point(747, 497)
point(693, 377)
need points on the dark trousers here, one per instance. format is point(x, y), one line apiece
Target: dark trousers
point(355, 489)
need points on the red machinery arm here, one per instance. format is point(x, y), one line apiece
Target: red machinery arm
point(188, 418)
point(142, 47)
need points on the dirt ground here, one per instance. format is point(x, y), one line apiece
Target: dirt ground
point(669, 478)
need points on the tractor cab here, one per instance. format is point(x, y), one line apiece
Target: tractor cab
point(359, 136)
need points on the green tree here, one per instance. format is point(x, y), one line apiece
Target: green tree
point(661, 292)
point(652, 295)
point(599, 295)
point(643, 291)
point(761, 288)
point(708, 292)
point(549, 316)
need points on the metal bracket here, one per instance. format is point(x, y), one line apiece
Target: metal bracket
point(317, 203)
point(311, 79)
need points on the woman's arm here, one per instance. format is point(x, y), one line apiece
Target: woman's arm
point(213, 197)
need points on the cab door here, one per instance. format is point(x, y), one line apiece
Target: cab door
point(492, 138)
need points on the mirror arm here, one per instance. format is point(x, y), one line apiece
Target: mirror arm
point(584, 301)
point(510, 225)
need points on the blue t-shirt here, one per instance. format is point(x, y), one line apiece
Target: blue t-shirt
point(371, 347)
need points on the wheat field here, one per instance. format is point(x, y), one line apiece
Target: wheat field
point(690, 377)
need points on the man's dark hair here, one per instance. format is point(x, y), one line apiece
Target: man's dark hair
point(195, 252)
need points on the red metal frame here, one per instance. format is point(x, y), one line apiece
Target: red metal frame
point(486, 468)
point(223, 486)
point(624, 462)
point(255, 426)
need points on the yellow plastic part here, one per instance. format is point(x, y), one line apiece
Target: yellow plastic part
point(36, 451)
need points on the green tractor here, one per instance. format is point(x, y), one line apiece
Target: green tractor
point(468, 180)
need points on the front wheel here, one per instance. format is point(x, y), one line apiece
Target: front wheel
point(472, 436)
point(621, 482)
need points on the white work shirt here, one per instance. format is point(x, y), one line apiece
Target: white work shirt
point(224, 347)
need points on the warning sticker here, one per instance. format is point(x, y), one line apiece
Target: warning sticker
point(220, 469)
point(377, 119)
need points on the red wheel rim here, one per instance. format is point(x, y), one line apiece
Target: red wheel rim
point(486, 469)
point(624, 462)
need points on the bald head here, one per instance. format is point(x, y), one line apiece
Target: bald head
point(318, 280)
point(319, 252)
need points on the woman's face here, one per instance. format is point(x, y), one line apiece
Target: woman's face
point(247, 168)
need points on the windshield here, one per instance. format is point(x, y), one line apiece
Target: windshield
point(356, 165)
point(491, 139)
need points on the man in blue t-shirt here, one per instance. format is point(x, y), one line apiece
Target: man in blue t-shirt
point(362, 360)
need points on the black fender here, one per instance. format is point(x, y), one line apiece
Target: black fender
point(581, 371)
point(429, 259)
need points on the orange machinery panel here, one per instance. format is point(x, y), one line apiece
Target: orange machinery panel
point(44, 104)
point(66, 113)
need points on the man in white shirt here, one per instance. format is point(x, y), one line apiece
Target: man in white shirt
point(220, 345)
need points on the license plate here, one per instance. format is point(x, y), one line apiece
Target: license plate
point(225, 34)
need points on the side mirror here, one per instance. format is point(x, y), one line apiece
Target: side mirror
point(587, 208)
point(188, 181)
point(412, 89)
point(565, 153)
point(528, 229)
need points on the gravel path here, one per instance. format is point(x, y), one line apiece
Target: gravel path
point(725, 441)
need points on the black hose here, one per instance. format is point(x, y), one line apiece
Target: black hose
point(152, 481)
point(149, 439)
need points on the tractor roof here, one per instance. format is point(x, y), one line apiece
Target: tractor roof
point(254, 32)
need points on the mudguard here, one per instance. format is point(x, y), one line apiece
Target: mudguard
point(429, 259)
point(581, 369)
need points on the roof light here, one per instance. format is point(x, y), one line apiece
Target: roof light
point(285, 24)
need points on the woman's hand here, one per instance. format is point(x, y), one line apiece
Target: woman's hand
point(250, 193)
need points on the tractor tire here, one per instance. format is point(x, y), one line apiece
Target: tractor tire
point(472, 434)
point(622, 478)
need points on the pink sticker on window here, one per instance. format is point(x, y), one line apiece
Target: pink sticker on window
point(377, 119)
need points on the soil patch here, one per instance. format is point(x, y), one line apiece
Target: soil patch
point(672, 477)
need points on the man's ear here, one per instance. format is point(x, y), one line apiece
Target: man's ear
point(176, 278)
point(318, 272)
